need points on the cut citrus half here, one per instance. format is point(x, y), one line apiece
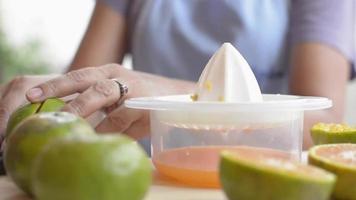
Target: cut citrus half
point(341, 160)
point(260, 176)
point(333, 133)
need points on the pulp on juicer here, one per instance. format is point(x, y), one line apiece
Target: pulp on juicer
point(227, 77)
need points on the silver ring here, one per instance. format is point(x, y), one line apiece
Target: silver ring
point(122, 87)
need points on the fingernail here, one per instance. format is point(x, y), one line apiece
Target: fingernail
point(35, 93)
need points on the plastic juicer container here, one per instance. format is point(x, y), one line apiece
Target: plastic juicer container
point(187, 137)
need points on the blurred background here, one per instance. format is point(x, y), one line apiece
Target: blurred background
point(41, 36)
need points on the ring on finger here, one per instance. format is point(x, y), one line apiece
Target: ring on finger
point(122, 87)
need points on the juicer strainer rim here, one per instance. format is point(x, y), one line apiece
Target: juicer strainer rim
point(285, 103)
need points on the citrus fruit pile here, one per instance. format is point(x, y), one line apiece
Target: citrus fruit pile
point(58, 156)
point(255, 175)
point(28, 139)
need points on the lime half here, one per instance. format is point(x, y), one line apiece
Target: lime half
point(333, 133)
point(258, 176)
point(341, 160)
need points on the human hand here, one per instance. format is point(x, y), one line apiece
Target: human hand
point(99, 92)
point(12, 95)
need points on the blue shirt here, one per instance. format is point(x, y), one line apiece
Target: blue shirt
point(176, 38)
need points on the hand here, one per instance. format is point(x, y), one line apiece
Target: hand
point(12, 95)
point(99, 92)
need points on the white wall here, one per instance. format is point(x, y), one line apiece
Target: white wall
point(58, 23)
point(61, 24)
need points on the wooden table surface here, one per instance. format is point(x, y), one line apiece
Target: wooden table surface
point(161, 189)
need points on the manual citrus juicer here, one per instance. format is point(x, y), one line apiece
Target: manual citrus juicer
point(227, 112)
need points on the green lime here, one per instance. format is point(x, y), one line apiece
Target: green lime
point(333, 133)
point(106, 167)
point(253, 175)
point(29, 137)
point(50, 105)
point(339, 159)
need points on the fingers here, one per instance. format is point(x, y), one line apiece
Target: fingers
point(102, 94)
point(8, 105)
point(138, 129)
point(119, 120)
point(11, 99)
point(72, 82)
point(4, 117)
point(2, 90)
point(13, 95)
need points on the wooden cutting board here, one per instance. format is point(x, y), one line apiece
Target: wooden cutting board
point(161, 189)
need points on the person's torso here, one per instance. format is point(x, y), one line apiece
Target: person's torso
point(176, 38)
